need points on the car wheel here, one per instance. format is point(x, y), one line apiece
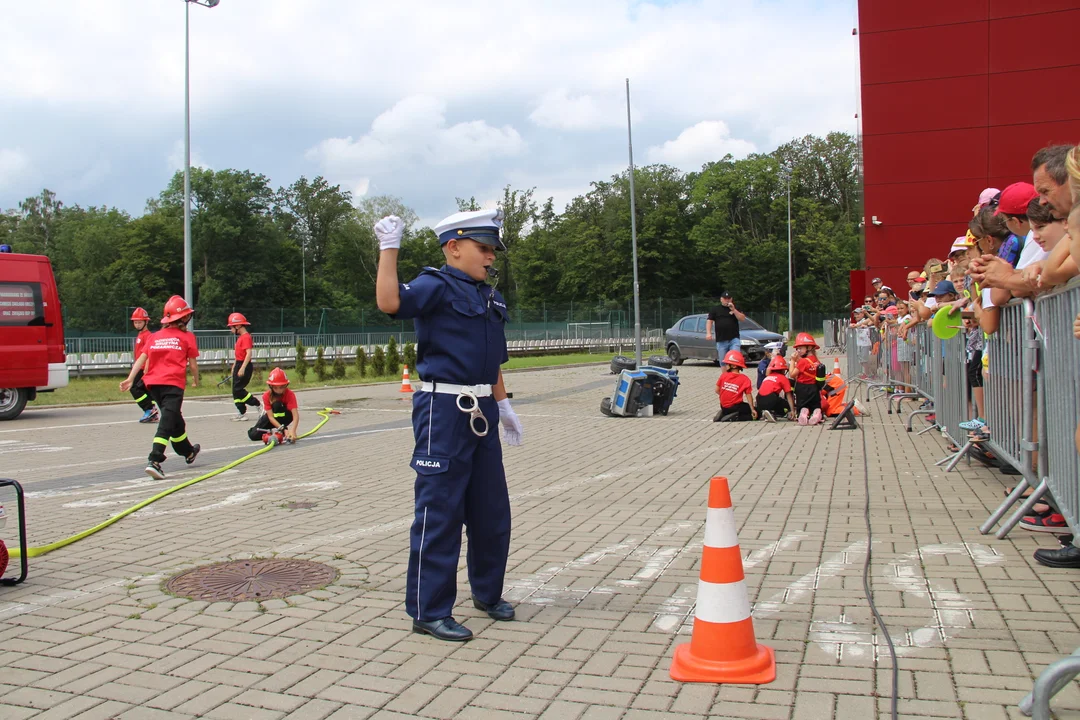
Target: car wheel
point(12, 402)
point(605, 407)
point(661, 361)
point(621, 362)
point(675, 355)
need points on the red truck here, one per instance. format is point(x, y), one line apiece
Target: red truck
point(32, 353)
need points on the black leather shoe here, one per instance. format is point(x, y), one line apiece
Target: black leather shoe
point(1066, 557)
point(501, 610)
point(446, 628)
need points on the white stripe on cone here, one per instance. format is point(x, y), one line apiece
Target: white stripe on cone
point(722, 602)
point(720, 528)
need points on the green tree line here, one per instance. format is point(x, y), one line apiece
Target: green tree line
point(311, 243)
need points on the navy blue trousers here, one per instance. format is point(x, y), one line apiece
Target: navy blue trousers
point(460, 481)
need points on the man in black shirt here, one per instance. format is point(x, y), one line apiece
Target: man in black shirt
point(723, 325)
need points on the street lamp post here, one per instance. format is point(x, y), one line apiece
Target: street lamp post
point(188, 295)
point(790, 274)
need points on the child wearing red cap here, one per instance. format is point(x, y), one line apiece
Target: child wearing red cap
point(775, 397)
point(809, 376)
point(735, 391)
point(282, 417)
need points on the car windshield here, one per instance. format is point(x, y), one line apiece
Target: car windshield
point(749, 324)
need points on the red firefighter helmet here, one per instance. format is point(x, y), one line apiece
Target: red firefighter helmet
point(140, 314)
point(734, 357)
point(277, 377)
point(176, 309)
point(805, 340)
point(777, 364)
point(237, 319)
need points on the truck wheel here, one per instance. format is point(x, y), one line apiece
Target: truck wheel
point(675, 355)
point(605, 407)
point(660, 361)
point(12, 402)
point(621, 362)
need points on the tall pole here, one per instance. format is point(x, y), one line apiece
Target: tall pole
point(187, 161)
point(633, 232)
point(790, 274)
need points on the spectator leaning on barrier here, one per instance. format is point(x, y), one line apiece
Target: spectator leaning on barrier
point(1051, 178)
point(723, 325)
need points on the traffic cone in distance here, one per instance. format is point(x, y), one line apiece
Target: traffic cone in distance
point(836, 367)
point(723, 648)
point(406, 386)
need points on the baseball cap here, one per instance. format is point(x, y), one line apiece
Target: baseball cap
point(943, 288)
point(875, 281)
point(985, 197)
point(891, 310)
point(960, 244)
point(725, 294)
point(1015, 198)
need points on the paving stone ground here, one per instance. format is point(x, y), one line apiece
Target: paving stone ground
point(608, 524)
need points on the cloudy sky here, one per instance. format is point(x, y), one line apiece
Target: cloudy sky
point(422, 99)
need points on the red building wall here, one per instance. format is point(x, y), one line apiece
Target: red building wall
point(957, 95)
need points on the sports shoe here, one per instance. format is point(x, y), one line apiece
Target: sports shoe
point(767, 416)
point(815, 417)
point(240, 417)
point(1051, 523)
point(154, 470)
point(149, 416)
point(973, 424)
point(804, 416)
point(194, 451)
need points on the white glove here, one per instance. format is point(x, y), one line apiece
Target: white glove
point(388, 231)
point(511, 424)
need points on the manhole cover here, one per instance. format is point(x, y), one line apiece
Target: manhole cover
point(299, 505)
point(251, 580)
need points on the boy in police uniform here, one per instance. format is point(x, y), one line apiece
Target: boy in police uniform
point(460, 344)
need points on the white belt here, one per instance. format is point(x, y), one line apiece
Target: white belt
point(479, 391)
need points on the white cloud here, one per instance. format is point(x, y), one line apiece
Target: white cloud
point(707, 141)
point(414, 132)
point(13, 164)
point(558, 109)
point(175, 159)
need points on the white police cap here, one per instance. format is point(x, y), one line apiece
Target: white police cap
point(479, 225)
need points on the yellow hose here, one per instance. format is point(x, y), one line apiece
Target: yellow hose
point(43, 549)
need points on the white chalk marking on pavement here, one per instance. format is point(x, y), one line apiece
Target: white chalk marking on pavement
point(241, 497)
point(15, 446)
point(100, 424)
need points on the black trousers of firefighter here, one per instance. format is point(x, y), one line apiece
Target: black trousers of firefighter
point(263, 426)
point(171, 427)
point(139, 393)
point(241, 397)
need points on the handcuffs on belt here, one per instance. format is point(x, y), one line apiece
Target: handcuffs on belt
point(473, 412)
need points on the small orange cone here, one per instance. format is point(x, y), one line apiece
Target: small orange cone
point(406, 386)
point(836, 367)
point(723, 648)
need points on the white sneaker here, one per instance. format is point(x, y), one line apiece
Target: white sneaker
point(767, 416)
point(240, 417)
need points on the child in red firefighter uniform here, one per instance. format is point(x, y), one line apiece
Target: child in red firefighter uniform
point(775, 396)
point(282, 416)
point(166, 356)
point(242, 367)
point(809, 376)
point(141, 319)
point(735, 391)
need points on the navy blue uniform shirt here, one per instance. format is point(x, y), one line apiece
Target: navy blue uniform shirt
point(460, 326)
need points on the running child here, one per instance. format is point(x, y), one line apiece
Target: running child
point(807, 372)
point(242, 367)
point(141, 320)
point(735, 391)
point(167, 355)
point(282, 416)
point(775, 396)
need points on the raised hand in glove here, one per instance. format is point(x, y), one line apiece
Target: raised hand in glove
point(388, 231)
point(511, 424)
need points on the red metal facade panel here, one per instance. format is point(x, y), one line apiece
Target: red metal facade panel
point(1015, 42)
point(901, 15)
point(957, 95)
point(927, 156)
point(1034, 96)
point(946, 104)
point(924, 54)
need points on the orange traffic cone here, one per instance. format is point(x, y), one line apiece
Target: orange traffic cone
point(723, 648)
point(406, 386)
point(836, 367)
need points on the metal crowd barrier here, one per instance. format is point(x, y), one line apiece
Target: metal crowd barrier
point(1009, 390)
point(951, 405)
point(835, 335)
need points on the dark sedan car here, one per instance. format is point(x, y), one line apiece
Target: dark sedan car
point(685, 340)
